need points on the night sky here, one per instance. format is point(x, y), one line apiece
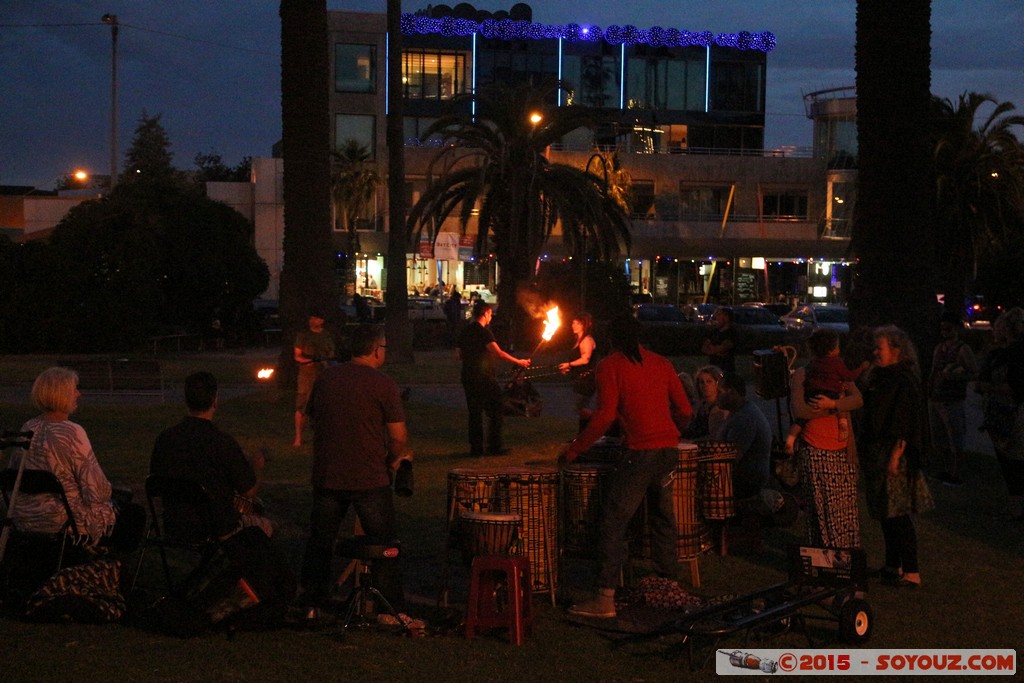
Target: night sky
point(212, 69)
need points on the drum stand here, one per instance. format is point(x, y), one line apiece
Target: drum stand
point(363, 553)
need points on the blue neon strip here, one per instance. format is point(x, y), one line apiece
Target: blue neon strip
point(656, 36)
point(622, 78)
point(707, 80)
point(472, 104)
point(559, 72)
point(387, 71)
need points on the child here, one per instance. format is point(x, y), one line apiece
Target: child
point(826, 375)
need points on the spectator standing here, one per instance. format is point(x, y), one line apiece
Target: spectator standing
point(479, 351)
point(1002, 408)
point(953, 366)
point(640, 389)
point(314, 347)
point(720, 347)
point(891, 441)
point(359, 439)
point(828, 463)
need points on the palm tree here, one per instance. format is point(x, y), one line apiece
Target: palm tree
point(892, 228)
point(979, 186)
point(353, 187)
point(396, 297)
point(307, 277)
point(497, 164)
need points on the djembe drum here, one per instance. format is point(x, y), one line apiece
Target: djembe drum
point(532, 493)
point(470, 490)
point(714, 480)
point(582, 496)
point(487, 533)
point(684, 493)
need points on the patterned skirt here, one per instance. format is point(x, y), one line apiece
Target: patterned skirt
point(830, 487)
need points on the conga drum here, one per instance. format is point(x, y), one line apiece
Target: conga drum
point(487, 533)
point(714, 480)
point(532, 493)
point(470, 490)
point(582, 496)
point(684, 494)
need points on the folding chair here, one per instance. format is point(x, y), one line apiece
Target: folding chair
point(39, 483)
point(198, 536)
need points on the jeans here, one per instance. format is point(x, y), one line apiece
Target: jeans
point(948, 431)
point(376, 512)
point(484, 396)
point(639, 473)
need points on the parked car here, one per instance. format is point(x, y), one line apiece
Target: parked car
point(376, 309)
point(659, 315)
point(699, 313)
point(425, 308)
point(808, 317)
point(757, 319)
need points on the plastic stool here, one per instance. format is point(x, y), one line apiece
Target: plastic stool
point(499, 596)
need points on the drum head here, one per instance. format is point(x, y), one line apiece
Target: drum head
point(490, 517)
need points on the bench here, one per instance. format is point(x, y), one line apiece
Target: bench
point(176, 342)
point(118, 376)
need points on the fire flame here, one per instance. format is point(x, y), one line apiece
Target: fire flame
point(265, 373)
point(551, 324)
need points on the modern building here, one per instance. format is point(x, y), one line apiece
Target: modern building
point(684, 111)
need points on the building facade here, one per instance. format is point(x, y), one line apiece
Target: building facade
point(682, 111)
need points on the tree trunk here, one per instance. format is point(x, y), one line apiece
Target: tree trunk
point(307, 277)
point(893, 230)
point(399, 329)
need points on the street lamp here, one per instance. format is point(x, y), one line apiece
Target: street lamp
point(112, 20)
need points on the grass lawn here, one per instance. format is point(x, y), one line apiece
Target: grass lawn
point(972, 565)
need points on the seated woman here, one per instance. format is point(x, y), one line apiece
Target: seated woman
point(62, 447)
point(708, 418)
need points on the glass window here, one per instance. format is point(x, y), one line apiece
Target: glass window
point(788, 205)
point(641, 199)
point(355, 68)
point(435, 75)
point(658, 79)
point(361, 128)
point(702, 203)
point(736, 86)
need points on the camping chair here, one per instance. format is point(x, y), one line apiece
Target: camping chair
point(39, 483)
point(200, 537)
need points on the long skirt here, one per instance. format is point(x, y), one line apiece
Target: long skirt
point(830, 487)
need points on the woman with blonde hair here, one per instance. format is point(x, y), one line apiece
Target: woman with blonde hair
point(61, 446)
point(890, 446)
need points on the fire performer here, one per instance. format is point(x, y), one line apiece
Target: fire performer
point(582, 366)
point(478, 351)
point(642, 390)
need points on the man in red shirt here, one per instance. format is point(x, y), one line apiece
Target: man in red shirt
point(642, 390)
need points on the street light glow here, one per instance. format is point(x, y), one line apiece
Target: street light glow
point(536, 118)
point(81, 175)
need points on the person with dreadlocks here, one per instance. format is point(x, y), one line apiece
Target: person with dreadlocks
point(642, 390)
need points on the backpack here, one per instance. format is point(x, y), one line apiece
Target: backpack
point(86, 593)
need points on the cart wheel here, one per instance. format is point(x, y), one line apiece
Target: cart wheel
point(855, 621)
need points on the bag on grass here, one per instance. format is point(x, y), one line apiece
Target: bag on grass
point(87, 593)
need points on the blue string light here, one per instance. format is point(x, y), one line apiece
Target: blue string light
point(511, 29)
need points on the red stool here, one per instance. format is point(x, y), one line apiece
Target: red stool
point(499, 596)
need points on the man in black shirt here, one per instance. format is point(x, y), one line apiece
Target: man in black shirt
point(721, 346)
point(197, 450)
point(478, 351)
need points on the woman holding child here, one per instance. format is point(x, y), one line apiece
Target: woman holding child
point(824, 448)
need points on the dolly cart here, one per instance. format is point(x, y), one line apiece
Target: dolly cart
point(824, 583)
